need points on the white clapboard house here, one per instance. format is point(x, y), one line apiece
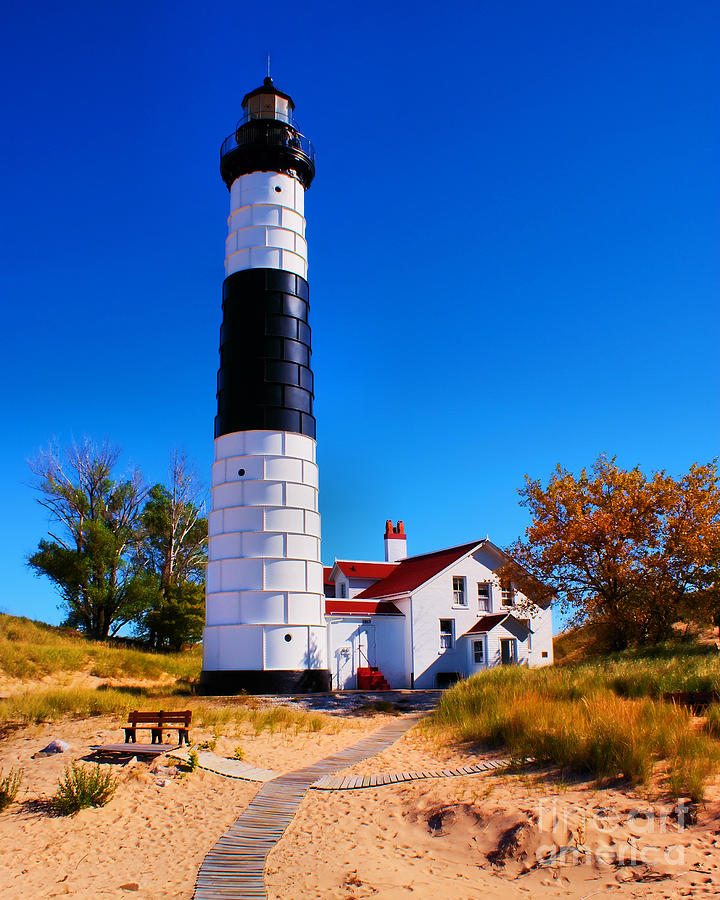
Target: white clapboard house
point(427, 621)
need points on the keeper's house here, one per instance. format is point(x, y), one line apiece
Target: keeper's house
point(426, 621)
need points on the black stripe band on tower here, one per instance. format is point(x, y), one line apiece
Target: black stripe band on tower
point(265, 380)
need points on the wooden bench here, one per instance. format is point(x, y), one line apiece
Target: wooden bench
point(156, 722)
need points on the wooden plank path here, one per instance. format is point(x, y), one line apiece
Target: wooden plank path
point(234, 867)
point(355, 782)
point(220, 765)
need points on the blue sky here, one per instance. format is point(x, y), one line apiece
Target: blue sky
point(513, 239)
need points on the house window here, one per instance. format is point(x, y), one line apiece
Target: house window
point(447, 633)
point(483, 596)
point(507, 593)
point(343, 589)
point(479, 653)
point(459, 598)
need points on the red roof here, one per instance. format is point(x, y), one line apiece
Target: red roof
point(487, 623)
point(365, 569)
point(410, 573)
point(353, 608)
point(326, 574)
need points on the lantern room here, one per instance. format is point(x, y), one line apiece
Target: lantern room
point(267, 102)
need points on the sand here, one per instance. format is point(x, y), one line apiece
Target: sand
point(463, 837)
point(494, 836)
point(149, 841)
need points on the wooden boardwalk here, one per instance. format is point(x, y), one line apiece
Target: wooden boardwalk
point(354, 782)
point(220, 765)
point(234, 867)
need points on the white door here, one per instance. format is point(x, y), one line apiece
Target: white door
point(344, 668)
point(365, 646)
point(352, 646)
point(478, 652)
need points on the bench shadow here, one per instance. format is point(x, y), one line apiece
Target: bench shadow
point(105, 757)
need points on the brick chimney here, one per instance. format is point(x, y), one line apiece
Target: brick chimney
point(395, 541)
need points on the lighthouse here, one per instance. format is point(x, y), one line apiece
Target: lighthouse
point(265, 618)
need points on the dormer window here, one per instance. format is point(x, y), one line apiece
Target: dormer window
point(459, 593)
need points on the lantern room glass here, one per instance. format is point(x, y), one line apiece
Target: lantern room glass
point(268, 106)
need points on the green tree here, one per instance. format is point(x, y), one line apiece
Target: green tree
point(173, 553)
point(91, 552)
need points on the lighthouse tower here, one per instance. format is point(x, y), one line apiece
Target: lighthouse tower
point(265, 624)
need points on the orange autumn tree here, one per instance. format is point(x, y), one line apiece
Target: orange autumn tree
point(630, 552)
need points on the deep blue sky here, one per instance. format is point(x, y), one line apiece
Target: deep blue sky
point(513, 240)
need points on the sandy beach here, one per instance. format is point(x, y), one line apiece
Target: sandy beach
point(149, 841)
point(463, 837)
point(484, 835)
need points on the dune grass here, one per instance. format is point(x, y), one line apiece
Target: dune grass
point(10, 784)
point(712, 720)
point(601, 718)
point(34, 707)
point(30, 650)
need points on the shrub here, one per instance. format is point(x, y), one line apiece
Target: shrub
point(81, 788)
point(208, 745)
point(239, 753)
point(9, 786)
point(193, 760)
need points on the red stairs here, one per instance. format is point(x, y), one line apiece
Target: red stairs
point(370, 678)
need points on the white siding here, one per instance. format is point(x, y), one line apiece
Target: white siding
point(434, 601)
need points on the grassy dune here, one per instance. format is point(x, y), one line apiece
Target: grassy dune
point(29, 650)
point(33, 707)
point(601, 717)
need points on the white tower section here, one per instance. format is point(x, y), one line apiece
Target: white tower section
point(265, 607)
point(264, 575)
point(266, 228)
